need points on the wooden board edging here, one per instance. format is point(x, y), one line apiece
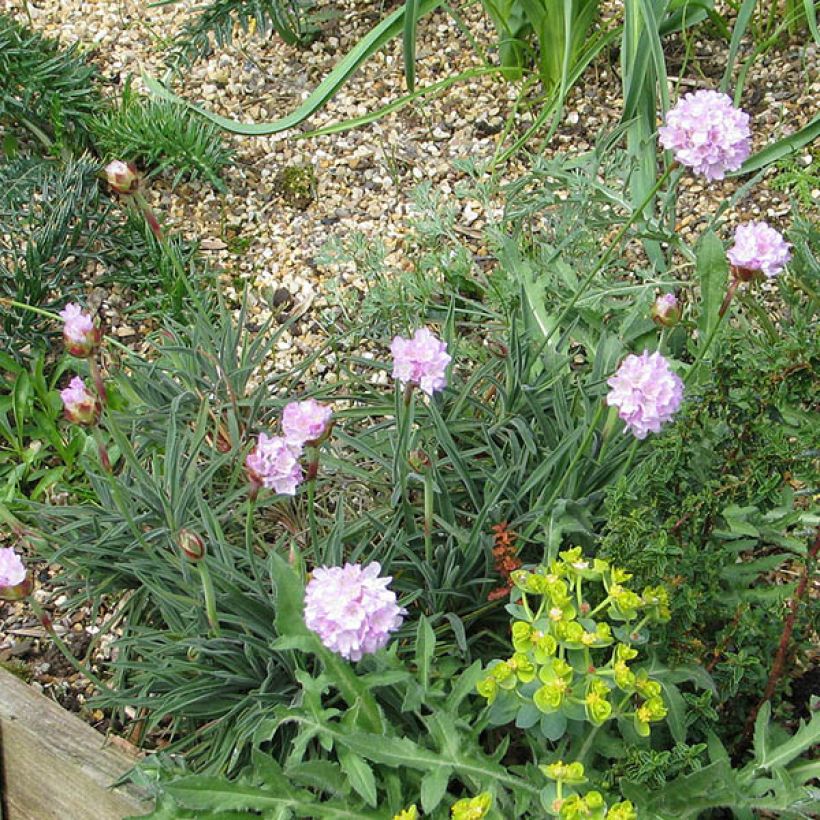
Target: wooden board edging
point(55, 767)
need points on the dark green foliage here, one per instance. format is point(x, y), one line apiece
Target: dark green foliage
point(219, 18)
point(59, 230)
point(37, 454)
point(54, 225)
point(162, 135)
point(46, 90)
point(723, 501)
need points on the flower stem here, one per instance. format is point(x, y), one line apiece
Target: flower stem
point(249, 535)
point(45, 620)
point(310, 478)
point(102, 450)
point(727, 300)
point(429, 501)
point(598, 267)
point(579, 453)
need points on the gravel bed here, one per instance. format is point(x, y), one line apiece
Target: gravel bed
point(363, 178)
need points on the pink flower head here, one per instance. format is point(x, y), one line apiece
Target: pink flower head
point(12, 571)
point(274, 464)
point(351, 609)
point(80, 335)
point(305, 421)
point(122, 176)
point(759, 248)
point(15, 582)
point(81, 406)
point(421, 360)
point(665, 310)
point(646, 392)
point(707, 133)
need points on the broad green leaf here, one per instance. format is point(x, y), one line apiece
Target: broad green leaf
point(713, 275)
point(807, 736)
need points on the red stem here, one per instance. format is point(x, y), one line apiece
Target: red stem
point(785, 638)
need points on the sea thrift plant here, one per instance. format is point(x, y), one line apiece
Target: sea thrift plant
point(707, 133)
point(421, 360)
point(80, 335)
point(274, 463)
point(646, 392)
point(351, 609)
point(80, 405)
point(122, 176)
point(567, 664)
point(305, 422)
point(758, 248)
point(665, 310)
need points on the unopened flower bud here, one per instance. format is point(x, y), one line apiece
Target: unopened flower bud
point(81, 406)
point(15, 582)
point(191, 544)
point(665, 311)
point(80, 335)
point(418, 460)
point(122, 176)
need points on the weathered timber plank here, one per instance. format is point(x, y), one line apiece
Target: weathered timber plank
point(54, 766)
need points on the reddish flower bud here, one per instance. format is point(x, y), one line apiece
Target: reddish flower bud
point(122, 176)
point(81, 406)
point(191, 544)
point(665, 311)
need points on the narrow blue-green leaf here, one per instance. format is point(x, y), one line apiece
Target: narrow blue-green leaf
point(782, 148)
point(411, 19)
point(811, 19)
point(744, 16)
point(373, 116)
point(344, 69)
point(425, 648)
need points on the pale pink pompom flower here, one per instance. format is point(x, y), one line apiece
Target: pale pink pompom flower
point(759, 248)
point(80, 404)
point(274, 463)
point(351, 609)
point(707, 133)
point(646, 391)
point(12, 569)
point(305, 421)
point(421, 360)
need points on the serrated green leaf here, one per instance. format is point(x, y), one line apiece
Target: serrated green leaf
point(434, 787)
point(359, 774)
